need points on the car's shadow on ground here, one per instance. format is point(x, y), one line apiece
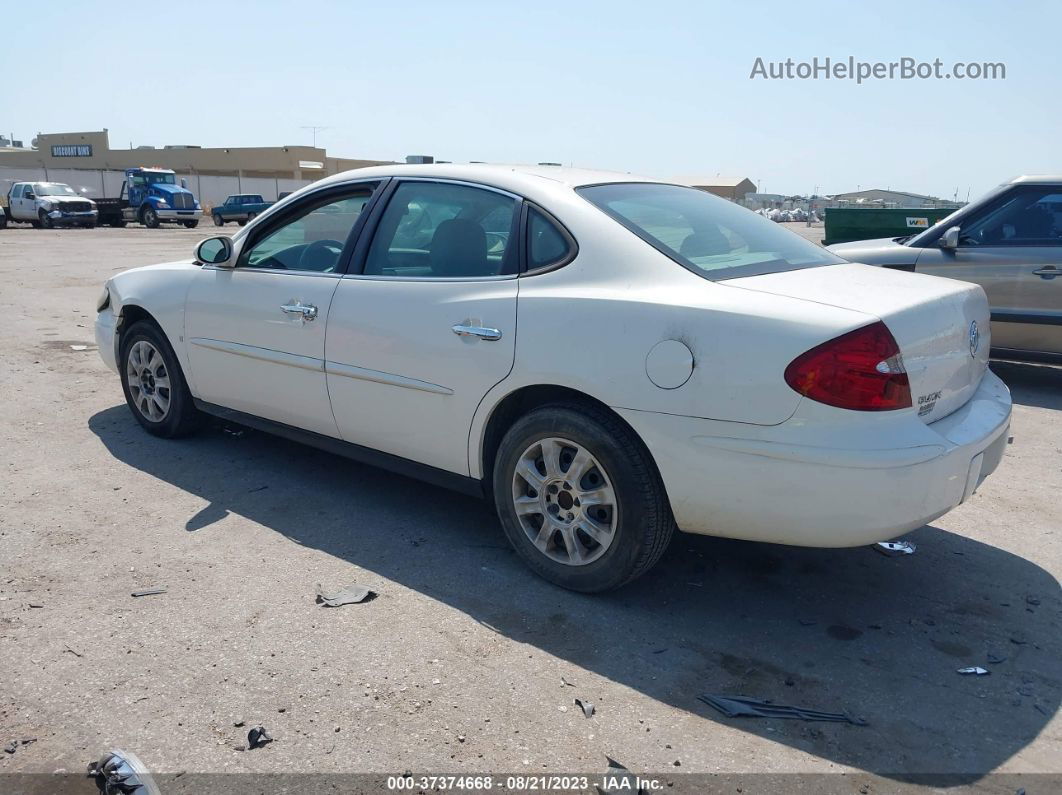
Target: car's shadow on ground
point(1031, 384)
point(827, 629)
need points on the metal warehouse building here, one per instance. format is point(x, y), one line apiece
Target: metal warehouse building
point(86, 162)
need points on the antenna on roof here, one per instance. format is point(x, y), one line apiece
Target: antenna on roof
point(316, 128)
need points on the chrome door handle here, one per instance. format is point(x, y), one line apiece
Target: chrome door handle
point(308, 311)
point(482, 332)
point(1049, 272)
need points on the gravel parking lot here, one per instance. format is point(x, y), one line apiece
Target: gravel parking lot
point(467, 662)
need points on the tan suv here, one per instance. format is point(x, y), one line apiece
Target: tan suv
point(1010, 243)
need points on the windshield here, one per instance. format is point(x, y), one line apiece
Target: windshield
point(53, 189)
point(154, 178)
point(710, 236)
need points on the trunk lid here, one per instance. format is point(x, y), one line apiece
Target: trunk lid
point(941, 325)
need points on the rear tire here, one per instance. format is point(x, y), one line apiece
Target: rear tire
point(192, 224)
point(149, 218)
point(594, 531)
point(153, 383)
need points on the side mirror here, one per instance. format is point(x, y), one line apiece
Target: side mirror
point(950, 238)
point(184, 183)
point(29, 195)
point(215, 251)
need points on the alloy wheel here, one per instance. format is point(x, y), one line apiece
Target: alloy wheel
point(565, 501)
point(149, 381)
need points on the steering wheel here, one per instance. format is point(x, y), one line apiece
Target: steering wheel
point(315, 250)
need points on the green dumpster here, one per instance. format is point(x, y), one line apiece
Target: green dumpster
point(865, 223)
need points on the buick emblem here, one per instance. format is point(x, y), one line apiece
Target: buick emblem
point(975, 338)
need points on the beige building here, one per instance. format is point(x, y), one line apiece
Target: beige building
point(732, 188)
point(92, 150)
point(890, 198)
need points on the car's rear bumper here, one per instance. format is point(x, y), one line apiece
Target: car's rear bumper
point(768, 488)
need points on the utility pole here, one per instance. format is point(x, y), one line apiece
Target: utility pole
point(315, 128)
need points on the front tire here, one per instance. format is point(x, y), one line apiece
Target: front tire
point(149, 218)
point(218, 220)
point(44, 219)
point(192, 224)
point(153, 383)
point(580, 499)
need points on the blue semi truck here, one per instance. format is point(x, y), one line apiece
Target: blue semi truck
point(150, 196)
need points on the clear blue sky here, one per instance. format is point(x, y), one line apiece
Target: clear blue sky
point(654, 87)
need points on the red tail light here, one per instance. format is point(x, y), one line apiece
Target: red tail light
point(861, 370)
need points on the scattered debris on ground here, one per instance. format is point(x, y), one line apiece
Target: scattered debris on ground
point(975, 670)
point(148, 592)
point(745, 707)
point(121, 772)
point(257, 737)
point(994, 659)
point(350, 595)
point(619, 779)
point(585, 706)
point(894, 549)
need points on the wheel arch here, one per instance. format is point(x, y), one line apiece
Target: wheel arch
point(519, 402)
point(129, 315)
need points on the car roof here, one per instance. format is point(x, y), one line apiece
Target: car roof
point(501, 175)
point(1034, 179)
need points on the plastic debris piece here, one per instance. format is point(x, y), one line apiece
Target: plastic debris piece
point(257, 737)
point(585, 706)
point(894, 549)
point(975, 670)
point(119, 771)
point(79, 347)
point(618, 779)
point(11, 747)
point(350, 595)
point(148, 592)
point(566, 683)
point(746, 707)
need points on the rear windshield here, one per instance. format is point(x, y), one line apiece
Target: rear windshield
point(710, 236)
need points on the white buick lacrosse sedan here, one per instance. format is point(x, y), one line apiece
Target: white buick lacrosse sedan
point(605, 357)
